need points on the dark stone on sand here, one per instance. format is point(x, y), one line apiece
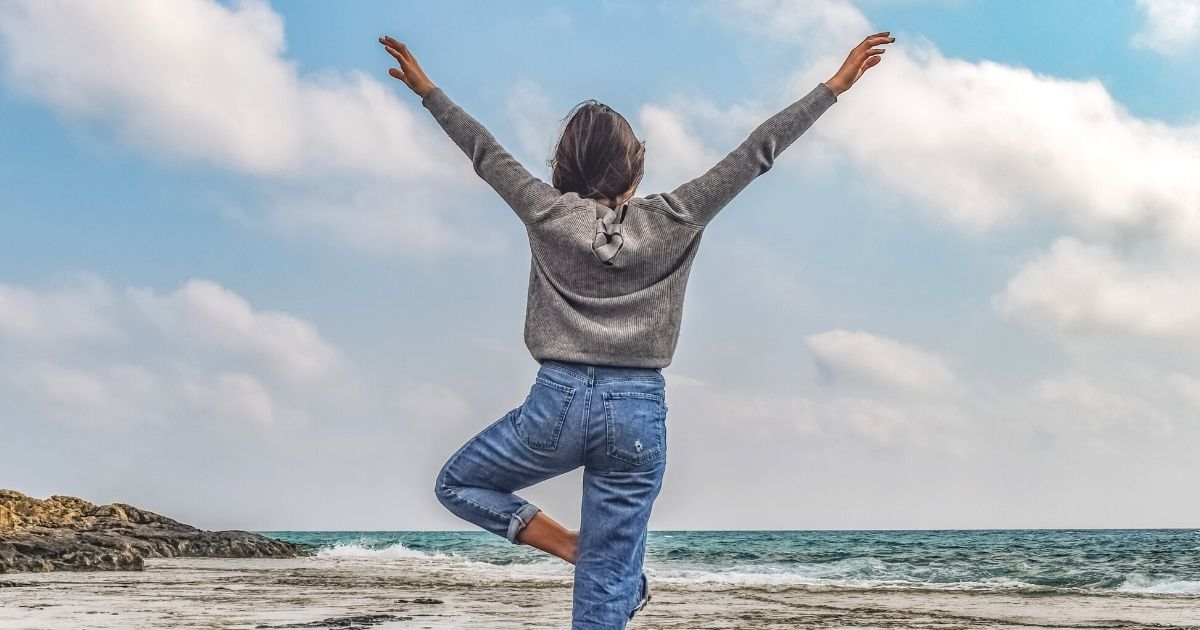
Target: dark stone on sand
point(69, 534)
point(348, 623)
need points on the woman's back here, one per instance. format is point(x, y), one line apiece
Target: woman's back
point(620, 307)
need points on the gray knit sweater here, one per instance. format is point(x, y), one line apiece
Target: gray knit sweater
point(606, 285)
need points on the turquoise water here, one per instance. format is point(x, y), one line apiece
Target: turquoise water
point(1162, 563)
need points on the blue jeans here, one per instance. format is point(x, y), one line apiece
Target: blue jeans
point(611, 421)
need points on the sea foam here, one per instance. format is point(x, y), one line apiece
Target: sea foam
point(363, 551)
point(1138, 583)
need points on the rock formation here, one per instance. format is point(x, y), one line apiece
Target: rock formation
point(65, 533)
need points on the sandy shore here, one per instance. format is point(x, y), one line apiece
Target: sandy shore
point(210, 593)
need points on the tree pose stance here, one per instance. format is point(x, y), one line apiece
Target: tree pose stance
point(606, 285)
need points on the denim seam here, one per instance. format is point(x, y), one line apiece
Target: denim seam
point(587, 417)
point(549, 383)
point(632, 379)
point(644, 395)
point(564, 370)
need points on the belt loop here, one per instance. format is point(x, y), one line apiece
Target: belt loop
point(591, 375)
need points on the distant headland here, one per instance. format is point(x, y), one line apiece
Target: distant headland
point(69, 534)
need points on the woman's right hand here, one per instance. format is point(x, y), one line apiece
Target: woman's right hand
point(410, 71)
point(864, 56)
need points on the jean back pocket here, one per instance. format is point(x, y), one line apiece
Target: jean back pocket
point(540, 420)
point(636, 426)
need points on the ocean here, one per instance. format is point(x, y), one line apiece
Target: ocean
point(1152, 562)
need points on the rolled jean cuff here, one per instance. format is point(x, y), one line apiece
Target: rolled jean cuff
point(520, 519)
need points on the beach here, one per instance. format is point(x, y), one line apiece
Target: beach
point(385, 584)
point(218, 593)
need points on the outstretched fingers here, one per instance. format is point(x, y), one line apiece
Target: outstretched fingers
point(400, 53)
point(866, 53)
point(399, 56)
point(877, 38)
point(396, 48)
point(870, 54)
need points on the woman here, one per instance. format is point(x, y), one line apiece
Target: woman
point(606, 285)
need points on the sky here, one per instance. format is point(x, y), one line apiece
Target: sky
point(247, 281)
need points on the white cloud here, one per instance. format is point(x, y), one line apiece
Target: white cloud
point(859, 355)
point(202, 81)
point(68, 387)
point(235, 395)
point(1172, 27)
point(200, 354)
point(198, 79)
point(1090, 288)
point(199, 351)
point(203, 312)
point(536, 124)
point(1086, 396)
point(428, 402)
point(784, 416)
point(869, 417)
point(981, 144)
point(1099, 404)
point(80, 313)
point(674, 153)
point(106, 392)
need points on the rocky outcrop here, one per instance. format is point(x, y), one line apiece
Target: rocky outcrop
point(66, 533)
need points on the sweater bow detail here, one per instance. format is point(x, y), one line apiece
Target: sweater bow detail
point(608, 238)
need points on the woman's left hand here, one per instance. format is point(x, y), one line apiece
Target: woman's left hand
point(410, 71)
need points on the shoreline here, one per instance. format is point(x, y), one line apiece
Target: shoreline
point(252, 593)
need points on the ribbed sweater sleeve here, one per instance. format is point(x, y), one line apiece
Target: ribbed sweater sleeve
point(700, 199)
point(527, 195)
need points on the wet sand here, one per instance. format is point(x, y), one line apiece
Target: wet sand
point(217, 593)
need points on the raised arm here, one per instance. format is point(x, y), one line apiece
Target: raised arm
point(527, 195)
point(700, 199)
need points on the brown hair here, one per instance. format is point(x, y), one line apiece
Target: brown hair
point(598, 156)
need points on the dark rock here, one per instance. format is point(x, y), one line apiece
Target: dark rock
point(357, 621)
point(427, 600)
point(69, 534)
